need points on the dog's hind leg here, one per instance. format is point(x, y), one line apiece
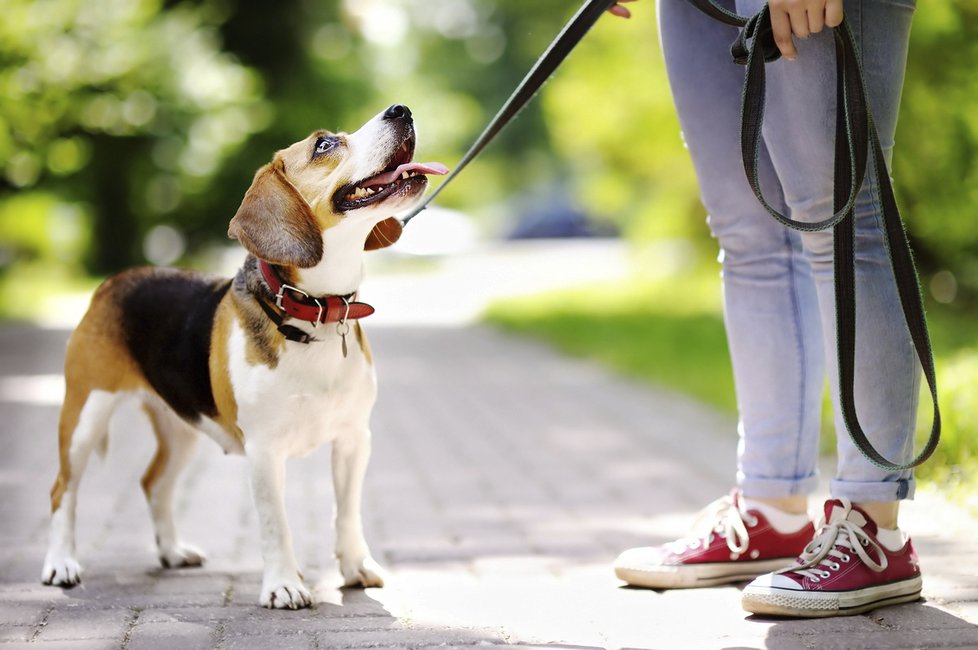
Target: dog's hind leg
point(176, 443)
point(83, 426)
point(350, 456)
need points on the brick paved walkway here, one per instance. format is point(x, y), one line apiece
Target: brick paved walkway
point(504, 480)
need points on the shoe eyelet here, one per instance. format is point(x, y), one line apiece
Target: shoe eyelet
point(864, 542)
point(826, 574)
point(751, 522)
point(846, 558)
point(835, 566)
point(816, 579)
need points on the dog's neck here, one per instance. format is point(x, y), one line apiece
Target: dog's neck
point(340, 271)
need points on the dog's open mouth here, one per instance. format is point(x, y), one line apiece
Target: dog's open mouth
point(400, 177)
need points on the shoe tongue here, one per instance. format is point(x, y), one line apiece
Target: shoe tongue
point(837, 510)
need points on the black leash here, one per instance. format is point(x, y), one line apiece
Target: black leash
point(545, 66)
point(855, 139)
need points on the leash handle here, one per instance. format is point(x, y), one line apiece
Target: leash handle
point(545, 65)
point(856, 138)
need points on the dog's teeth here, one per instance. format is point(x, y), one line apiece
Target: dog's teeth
point(405, 176)
point(369, 191)
point(358, 193)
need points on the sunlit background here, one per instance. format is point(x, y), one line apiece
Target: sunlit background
point(130, 129)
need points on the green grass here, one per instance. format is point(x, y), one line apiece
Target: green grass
point(667, 332)
point(670, 332)
point(954, 335)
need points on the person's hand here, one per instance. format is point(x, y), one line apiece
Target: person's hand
point(619, 10)
point(801, 18)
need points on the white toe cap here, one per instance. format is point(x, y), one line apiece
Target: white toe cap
point(774, 581)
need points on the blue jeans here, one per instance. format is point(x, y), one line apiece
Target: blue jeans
point(779, 305)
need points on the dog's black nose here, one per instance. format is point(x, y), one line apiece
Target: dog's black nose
point(397, 112)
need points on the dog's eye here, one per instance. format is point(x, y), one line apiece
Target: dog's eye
point(323, 145)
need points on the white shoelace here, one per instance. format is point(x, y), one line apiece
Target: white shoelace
point(835, 542)
point(723, 518)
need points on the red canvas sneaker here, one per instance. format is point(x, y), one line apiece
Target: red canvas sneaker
point(843, 571)
point(729, 544)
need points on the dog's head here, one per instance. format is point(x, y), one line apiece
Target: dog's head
point(333, 180)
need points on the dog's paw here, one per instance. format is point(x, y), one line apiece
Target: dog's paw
point(285, 595)
point(181, 555)
point(364, 572)
point(61, 572)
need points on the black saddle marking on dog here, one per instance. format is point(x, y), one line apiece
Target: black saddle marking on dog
point(168, 316)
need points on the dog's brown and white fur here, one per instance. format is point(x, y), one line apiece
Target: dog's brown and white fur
point(202, 356)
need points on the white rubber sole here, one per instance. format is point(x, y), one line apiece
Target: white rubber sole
point(687, 576)
point(774, 601)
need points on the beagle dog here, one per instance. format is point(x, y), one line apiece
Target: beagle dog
point(271, 364)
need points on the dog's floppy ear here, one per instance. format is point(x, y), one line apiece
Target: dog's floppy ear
point(275, 223)
point(384, 234)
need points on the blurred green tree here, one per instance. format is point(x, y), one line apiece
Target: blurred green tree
point(121, 108)
point(455, 62)
point(935, 161)
point(122, 116)
point(610, 113)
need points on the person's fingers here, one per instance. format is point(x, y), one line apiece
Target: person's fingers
point(798, 17)
point(801, 18)
point(833, 13)
point(816, 20)
point(781, 27)
point(620, 11)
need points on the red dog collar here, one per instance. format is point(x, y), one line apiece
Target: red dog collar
point(296, 303)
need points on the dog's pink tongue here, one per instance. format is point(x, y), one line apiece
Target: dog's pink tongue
point(421, 168)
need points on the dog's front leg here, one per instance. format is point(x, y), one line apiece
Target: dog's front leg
point(350, 456)
point(282, 586)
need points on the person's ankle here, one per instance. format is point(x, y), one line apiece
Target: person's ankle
point(781, 518)
point(795, 505)
point(883, 513)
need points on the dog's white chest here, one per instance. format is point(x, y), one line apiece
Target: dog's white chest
point(310, 397)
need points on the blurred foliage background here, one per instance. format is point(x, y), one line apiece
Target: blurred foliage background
point(130, 129)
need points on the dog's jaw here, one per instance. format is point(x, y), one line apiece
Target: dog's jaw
point(398, 184)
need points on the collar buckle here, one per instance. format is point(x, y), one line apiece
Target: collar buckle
point(288, 287)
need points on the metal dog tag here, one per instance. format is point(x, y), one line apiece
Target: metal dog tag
point(343, 328)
